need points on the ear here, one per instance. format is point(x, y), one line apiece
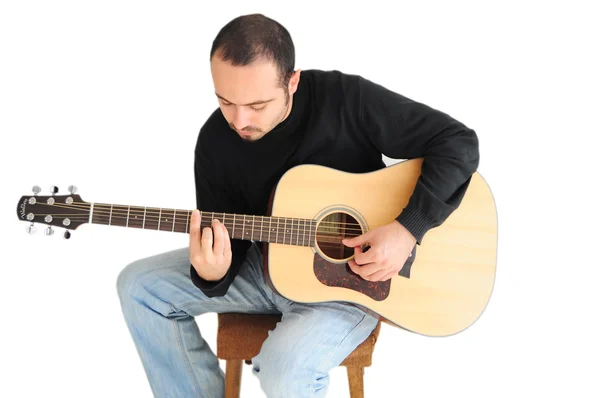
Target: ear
point(294, 80)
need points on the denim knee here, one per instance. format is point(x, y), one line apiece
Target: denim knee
point(286, 374)
point(132, 284)
point(127, 278)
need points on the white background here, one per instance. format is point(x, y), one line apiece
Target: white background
point(109, 96)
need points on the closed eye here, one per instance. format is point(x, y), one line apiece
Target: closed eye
point(254, 108)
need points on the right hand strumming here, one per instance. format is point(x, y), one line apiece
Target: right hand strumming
point(210, 251)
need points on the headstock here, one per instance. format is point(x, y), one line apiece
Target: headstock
point(66, 211)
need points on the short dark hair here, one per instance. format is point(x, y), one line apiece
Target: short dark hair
point(249, 37)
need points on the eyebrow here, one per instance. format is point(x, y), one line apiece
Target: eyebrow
point(251, 103)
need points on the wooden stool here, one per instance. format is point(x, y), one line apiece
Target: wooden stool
point(240, 337)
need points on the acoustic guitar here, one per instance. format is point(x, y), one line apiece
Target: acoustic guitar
point(443, 287)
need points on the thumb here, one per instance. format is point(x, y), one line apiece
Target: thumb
point(357, 240)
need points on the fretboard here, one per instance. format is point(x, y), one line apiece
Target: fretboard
point(293, 231)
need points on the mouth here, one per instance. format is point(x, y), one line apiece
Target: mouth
point(245, 133)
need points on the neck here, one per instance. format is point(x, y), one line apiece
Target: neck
point(294, 231)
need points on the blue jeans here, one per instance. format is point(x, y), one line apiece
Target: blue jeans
point(159, 303)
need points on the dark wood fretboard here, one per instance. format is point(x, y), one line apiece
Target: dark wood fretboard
point(294, 231)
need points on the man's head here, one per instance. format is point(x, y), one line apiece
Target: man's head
point(252, 64)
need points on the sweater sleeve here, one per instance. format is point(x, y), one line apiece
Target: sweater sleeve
point(402, 128)
point(212, 195)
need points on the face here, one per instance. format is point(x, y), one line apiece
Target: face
point(251, 98)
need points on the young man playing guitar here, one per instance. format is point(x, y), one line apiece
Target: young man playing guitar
point(271, 118)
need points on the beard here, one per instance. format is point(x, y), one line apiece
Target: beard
point(260, 132)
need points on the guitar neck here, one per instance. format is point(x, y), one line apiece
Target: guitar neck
point(292, 231)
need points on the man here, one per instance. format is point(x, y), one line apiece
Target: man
point(272, 117)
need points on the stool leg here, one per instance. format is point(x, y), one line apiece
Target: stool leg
point(233, 378)
point(355, 379)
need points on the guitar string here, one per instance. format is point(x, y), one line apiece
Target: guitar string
point(281, 237)
point(228, 217)
point(323, 241)
point(299, 223)
point(322, 237)
point(105, 207)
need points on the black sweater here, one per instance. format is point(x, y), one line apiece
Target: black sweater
point(341, 121)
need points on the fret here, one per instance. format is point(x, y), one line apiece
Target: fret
point(117, 215)
point(210, 220)
point(174, 217)
point(304, 233)
point(262, 226)
point(135, 218)
point(127, 221)
point(249, 235)
point(284, 229)
point(179, 225)
point(253, 220)
point(144, 222)
point(165, 217)
point(243, 225)
point(101, 212)
point(270, 228)
point(90, 220)
point(151, 219)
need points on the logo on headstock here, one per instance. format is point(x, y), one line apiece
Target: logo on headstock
point(22, 208)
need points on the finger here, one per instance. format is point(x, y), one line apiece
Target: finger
point(218, 238)
point(226, 240)
point(357, 241)
point(363, 270)
point(354, 267)
point(195, 233)
point(357, 251)
point(362, 258)
point(207, 243)
point(377, 276)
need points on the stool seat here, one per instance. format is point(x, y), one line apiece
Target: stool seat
point(241, 336)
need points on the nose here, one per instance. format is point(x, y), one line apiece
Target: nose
point(241, 118)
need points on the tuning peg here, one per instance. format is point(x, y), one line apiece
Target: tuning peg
point(67, 234)
point(72, 189)
point(36, 190)
point(49, 231)
point(53, 189)
point(31, 229)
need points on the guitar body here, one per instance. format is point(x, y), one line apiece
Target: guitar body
point(451, 274)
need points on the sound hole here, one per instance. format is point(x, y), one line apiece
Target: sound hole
point(330, 232)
